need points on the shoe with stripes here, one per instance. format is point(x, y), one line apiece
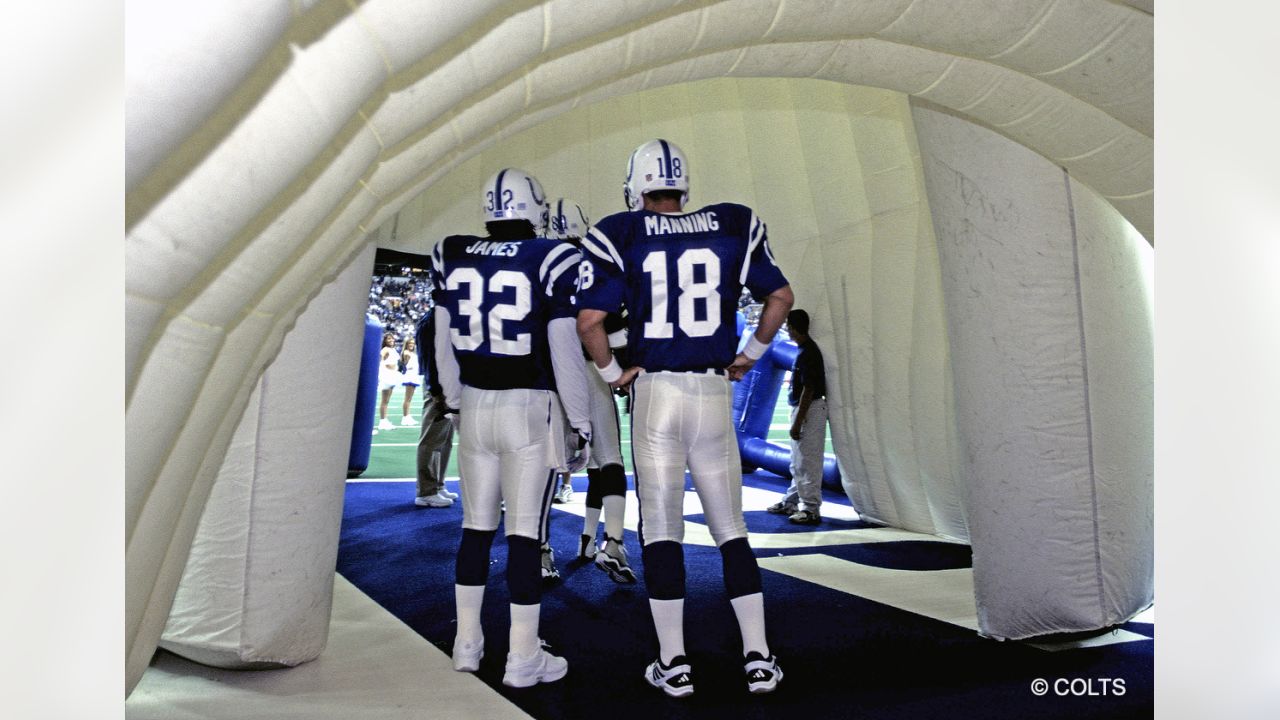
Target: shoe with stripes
point(586, 547)
point(763, 675)
point(612, 558)
point(675, 679)
point(549, 571)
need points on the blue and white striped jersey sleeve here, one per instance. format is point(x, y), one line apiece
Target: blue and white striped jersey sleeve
point(558, 277)
point(760, 273)
point(437, 273)
point(602, 285)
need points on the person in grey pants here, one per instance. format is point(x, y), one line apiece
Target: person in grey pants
point(435, 440)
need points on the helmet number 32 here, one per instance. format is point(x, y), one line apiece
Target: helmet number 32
point(690, 291)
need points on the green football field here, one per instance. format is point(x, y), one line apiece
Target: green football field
point(394, 452)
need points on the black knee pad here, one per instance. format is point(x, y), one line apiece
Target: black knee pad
point(613, 480)
point(595, 494)
point(473, 557)
point(741, 572)
point(524, 575)
point(664, 570)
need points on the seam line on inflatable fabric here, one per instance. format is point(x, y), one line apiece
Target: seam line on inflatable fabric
point(1089, 153)
point(742, 52)
point(982, 97)
point(1036, 24)
point(701, 32)
point(1024, 116)
point(1088, 409)
point(838, 46)
point(777, 15)
point(546, 27)
point(941, 76)
point(373, 130)
point(1102, 45)
point(1132, 196)
point(891, 23)
point(369, 190)
point(373, 36)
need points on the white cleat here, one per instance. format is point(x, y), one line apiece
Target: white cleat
point(435, 501)
point(763, 675)
point(541, 667)
point(675, 679)
point(586, 547)
point(549, 571)
point(612, 558)
point(466, 656)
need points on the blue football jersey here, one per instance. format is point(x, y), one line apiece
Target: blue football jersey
point(500, 296)
point(679, 277)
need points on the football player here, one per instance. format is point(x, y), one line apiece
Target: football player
point(680, 275)
point(506, 346)
point(606, 478)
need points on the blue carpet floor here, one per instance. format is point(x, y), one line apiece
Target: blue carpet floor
point(843, 656)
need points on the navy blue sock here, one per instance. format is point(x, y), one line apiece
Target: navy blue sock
point(524, 570)
point(741, 572)
point(664, 570)
point(473, 557)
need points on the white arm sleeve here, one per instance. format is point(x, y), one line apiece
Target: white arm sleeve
point(446, 363)
point(570, 371)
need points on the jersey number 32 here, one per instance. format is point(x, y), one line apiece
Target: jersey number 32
point(471, 306)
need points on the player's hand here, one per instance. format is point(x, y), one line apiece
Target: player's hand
point(452, 416)
point(580, 450)
point(740, 366)
point(795, 433)
point(624, 381)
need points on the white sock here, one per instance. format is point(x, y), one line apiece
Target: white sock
point(469, 599)
point(750, 612)
point(668, 620)
point(590, 521)
point(614, 506)
point(524, 629)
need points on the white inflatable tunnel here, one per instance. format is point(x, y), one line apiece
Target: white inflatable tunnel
point(960, 193)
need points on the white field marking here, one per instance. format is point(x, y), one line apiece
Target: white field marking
point(945, 595)
point(758, 499)
point(452, 479)
point(1112, 638)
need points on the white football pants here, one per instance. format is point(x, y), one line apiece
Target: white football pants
point(509, 441)
point(681, 420)
point(606, 441)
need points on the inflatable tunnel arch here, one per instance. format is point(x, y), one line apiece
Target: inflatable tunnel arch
point(1002, 160)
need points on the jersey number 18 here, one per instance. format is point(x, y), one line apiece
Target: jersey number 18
point(689, 292)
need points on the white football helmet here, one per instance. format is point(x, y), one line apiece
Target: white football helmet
point(567, 220)
point(655, 165)
point(513, 194)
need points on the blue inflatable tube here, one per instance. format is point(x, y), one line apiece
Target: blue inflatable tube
point(366, 398)
point(754, 399)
